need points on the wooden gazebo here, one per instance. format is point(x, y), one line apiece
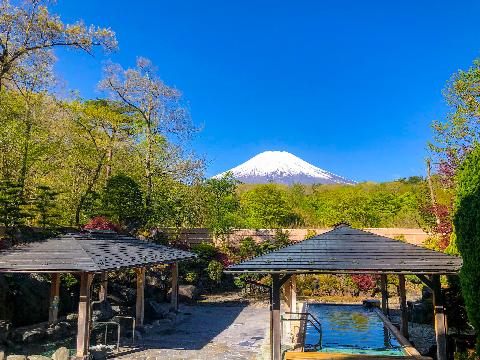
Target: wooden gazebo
point(88, 253)
point(348, 250)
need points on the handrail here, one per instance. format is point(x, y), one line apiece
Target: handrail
point(308, 318)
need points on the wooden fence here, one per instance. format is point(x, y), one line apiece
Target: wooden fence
point(199, 235)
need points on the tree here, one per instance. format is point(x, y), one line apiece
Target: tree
point(266, 206)
point(44, 206)
point(157, 105)
point(467, 231)
point(12, 206)
point(223, 204)
point(460, 131)
point(122, 201)
point(28, 33)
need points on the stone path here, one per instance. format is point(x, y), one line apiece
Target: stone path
point(207, 332)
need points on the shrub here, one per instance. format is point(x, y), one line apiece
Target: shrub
point(467, 230)
point(215, 271)
point(364, 282)
point(101, 223)
point(248, 248)
point(205, 251)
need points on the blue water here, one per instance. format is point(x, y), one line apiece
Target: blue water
point(351, 329)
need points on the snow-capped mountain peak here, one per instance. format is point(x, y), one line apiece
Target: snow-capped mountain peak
point(284, 168)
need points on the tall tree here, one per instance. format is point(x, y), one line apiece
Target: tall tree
point(455, 136)
point(157, 105)
point(28, 33)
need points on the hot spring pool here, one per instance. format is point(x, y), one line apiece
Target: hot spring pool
point(351, 329)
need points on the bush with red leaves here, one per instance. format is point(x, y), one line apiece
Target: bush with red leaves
point(224, 260)
point(101, 223)
point(364, 282)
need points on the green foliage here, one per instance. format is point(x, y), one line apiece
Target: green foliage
point(12, 205)
point(467, 230)
point(248, 248)
point(44, 204)
point(267, 206)
point(122, 201)
point(205, 251)
point(222, 204)
point(215, 271)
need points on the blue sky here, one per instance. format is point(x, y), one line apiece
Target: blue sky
point(350, 86)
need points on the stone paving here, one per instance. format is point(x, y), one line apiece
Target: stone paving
point(207, 332)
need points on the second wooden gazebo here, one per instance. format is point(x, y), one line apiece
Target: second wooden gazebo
point(348, 250)
point(88, 253)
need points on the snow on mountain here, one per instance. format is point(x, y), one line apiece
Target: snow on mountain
point(282, 167)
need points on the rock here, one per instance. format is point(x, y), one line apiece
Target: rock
point(34, 335)
point(38, 357)
point(187, 293)
point(98, 354)
point(4, 330)
point(72, 317)
point(61, 354)
point(155, 310)
point(101, 311)
point(16, 357)
point(2, 355)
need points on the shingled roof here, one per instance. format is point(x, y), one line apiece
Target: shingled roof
point(348, 250)
point(91, 251)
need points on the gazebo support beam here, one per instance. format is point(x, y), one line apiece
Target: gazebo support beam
point(83, 334)
point(174, 293)
point(384, 290)
point(275, 323)
point(434, 284)
point(54, 298)
point(102, 295)
point(440, 319)
point(403, 305)
point(140, 305)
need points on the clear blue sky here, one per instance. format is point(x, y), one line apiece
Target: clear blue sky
point(350, 86)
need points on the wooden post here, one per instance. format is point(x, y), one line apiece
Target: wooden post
point(83, 334)
point(384, 289)
point(440, 319)
point(140, 306)
point(403, 306)
point(293, 293)
point(54, 298)
point(276, 335)
point(102, 295)
point(174, 293)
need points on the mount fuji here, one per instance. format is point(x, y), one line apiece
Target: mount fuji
point(282, 167)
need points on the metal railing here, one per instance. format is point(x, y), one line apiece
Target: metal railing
point(307, 318)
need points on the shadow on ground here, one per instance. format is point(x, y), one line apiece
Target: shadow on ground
point(205, 329)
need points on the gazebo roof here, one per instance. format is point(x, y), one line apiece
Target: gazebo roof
point(92, 251)
point(348, 250)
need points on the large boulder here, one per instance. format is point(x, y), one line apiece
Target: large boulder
point(61, 354)
point(38, 357)
point(187, 293)
point(2, 355)
point(16, 357)
point(155, 310)
point(33, 335)
point(101, 311)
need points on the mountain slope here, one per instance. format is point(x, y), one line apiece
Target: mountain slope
point(283, 168)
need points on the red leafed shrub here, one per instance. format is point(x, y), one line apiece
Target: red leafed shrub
point(101, 223)
point(364, 282)
point(223, 259)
